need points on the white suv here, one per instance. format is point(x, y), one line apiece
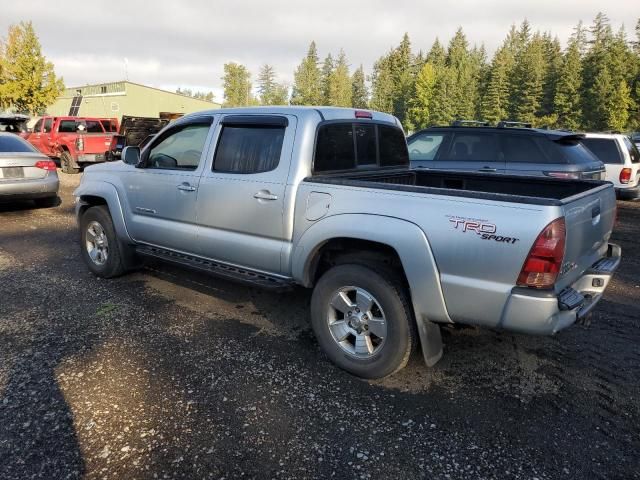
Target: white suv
point(621, 159)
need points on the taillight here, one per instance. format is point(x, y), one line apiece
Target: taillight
point(563, 174)
point(49, 165)
point(363, 114)
point(543, 264)
point(80, 143)
point(625, 175)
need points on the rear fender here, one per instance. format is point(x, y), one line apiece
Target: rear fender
point(411, 245)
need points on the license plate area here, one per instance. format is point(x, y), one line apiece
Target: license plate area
point(11, 172)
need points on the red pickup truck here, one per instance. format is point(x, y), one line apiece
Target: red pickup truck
point(74, 141)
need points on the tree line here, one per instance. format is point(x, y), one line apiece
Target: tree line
point(591, 84)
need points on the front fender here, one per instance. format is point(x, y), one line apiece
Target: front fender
point(109, 194)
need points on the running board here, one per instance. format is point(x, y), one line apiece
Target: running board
point(217, 269)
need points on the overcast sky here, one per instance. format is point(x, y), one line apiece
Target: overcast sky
point(171, 43)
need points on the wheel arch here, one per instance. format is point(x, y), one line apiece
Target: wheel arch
point(396, 239)
point(91, 194)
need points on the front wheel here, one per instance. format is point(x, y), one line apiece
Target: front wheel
point(362, 319)
point(99, 245)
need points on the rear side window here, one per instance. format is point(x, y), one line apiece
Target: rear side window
point(67, 126)
point(94, 126)
point(467, 147)
point(348, 145)
point(12, 144)
point(572, 152)
point(248, 149)
point(633, 151)
point(605, 149)
point(425, 146)
point(524, 149)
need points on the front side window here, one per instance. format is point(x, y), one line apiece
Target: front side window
point(248, 148)
point(605, 149)
point(467, 147)
point(425, 146)
point(38, 126)
point(47, 125)
point(180, 149)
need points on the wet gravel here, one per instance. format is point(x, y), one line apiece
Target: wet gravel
point(165, 373)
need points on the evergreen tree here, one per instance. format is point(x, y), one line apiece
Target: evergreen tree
point(597, 84)
point(618, 106)
point(443, 108)
point(28, 82)
point(382, 87)
point(420, 107)
point(340, 83)
point(237, 85)
point(437, 55)
point(465, 87)
point(529, 74)
point(306, 87)
point(553, 63)
point(567, 101)
point(271, 92)
point(403, 76)
point(495, 101)
point(326, 74)
point(359, 92)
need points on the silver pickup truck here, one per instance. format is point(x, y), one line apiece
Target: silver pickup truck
point(324, 198)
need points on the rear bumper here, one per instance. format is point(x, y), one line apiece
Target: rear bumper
point(28, 189)
point(630, 193)
point(91, 158)
point(546, 312)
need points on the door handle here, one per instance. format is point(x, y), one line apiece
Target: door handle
point(488, 170)
point(185, 187)
point(265, 195)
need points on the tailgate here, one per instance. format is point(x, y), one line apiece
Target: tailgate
point(589, 220)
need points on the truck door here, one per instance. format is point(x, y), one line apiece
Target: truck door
point(162, 195)
point(241, 193)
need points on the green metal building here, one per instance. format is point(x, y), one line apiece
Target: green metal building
point(116, 99)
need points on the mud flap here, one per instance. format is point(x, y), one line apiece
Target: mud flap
point(431, 341)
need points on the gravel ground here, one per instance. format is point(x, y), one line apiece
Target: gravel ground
point(168, 374)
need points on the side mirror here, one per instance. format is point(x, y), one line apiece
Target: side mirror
point(131, 155)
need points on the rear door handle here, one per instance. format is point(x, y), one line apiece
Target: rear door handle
point(265, 195)
point(185, 187)
point(488, 170)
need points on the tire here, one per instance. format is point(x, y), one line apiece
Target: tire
point(47, 202)
point(96, 234)
point(388, 349)
point(67, 165)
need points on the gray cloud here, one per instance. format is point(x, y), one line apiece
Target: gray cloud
point(172, 43)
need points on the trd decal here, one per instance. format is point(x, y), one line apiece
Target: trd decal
point(484, 229)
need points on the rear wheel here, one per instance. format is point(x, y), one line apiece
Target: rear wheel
point(362, 320)
point(67, 165)
point(100, 248)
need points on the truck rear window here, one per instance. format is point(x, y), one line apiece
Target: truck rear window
point(604, 148)
point(349, 145)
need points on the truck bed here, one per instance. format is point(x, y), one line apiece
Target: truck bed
point(505, 188)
